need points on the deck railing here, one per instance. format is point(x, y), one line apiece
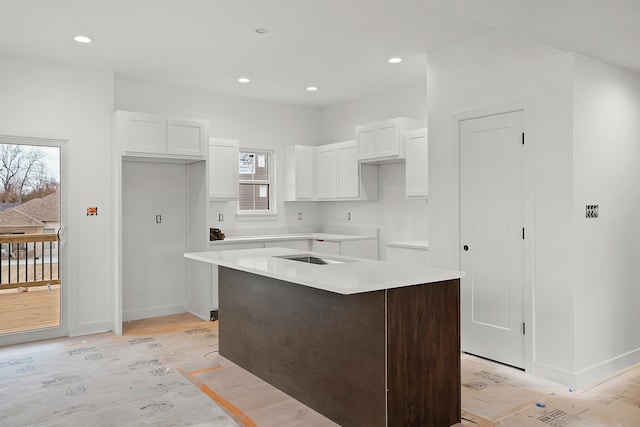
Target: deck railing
point(29, 260)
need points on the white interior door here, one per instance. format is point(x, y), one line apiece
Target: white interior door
point(491, 233)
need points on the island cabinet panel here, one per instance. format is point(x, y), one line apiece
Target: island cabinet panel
point(335, 353)
point(424, 355)
point(324, 349)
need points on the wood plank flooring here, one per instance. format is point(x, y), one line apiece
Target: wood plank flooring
point(36, 309)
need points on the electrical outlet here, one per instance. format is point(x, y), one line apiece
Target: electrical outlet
point(348, 216)
point(592, 211)
point(220, 217)
point(299, 216)
point(158, 219)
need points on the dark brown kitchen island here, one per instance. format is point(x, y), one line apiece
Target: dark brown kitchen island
point(383, 357)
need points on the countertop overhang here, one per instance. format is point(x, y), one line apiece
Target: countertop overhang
point(355, 275)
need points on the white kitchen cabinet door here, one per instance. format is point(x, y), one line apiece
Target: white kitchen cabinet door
point(299, 178)
point(142, 133)
point(304, 172)
point(153, 136)
point(223, 169)
point(326, 171)
point(366, 141)
point(383, 142)
point(348, 170)
point(417, 159)
point(388, 140)
point(186, 137)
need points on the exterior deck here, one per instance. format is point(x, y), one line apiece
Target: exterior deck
point(35, 309)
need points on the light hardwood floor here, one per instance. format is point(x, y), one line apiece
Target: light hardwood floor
point(35, 309)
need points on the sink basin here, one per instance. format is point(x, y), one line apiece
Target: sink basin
point(309, 259)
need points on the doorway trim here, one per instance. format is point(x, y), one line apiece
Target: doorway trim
point(66, 296)
point(527, 106)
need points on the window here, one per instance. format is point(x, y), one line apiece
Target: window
point(256, 183)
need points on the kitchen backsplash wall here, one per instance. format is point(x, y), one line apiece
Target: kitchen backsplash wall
point(259, 124)
point(395, 216)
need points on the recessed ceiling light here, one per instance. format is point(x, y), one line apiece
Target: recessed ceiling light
point(243, 80)
point(262, 30)
point(82, 39)
point(395, 60)
point(312, 88)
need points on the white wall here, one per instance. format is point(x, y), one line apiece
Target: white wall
point(606, 172)
point(255, 124)
point(49, 100)
point(396, 217)
point(488, 70)
point(153, 266)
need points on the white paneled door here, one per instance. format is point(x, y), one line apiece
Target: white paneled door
point(491, 237)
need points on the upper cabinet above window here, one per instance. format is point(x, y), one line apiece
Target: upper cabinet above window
point(150, 135)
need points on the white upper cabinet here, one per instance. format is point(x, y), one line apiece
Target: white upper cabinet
point(417, 159)
point(348, 179)
point(339, 176)
point(383, 141)
point(150, 135)
point(223, 169)
point(366, 141)
point(142, 133)
point(326, 171)
point(299, 165)
point(186, 137)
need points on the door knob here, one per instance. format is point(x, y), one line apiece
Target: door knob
point(465, 247)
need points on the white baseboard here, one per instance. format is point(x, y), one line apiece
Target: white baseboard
point(589, 376)
point(601, 371)
point(552, 373)
point(145, 313)
point(91, 328)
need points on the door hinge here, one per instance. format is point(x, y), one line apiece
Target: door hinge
point(522, 233)
point(524, 328)
point(522, 138)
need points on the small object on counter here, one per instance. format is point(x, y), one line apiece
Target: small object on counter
point(215, 234)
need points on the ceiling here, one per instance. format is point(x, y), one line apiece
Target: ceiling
point(340, 46)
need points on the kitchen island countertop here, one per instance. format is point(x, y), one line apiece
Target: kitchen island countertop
point(352, 276)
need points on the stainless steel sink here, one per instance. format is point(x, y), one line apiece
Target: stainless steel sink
point(312, 259)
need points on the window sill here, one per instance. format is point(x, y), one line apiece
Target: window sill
point(256, 216)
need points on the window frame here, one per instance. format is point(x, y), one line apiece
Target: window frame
point(271, 213)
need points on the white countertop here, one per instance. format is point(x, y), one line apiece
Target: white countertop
point(356, 276)
point(411, 244)
point(294, 236)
